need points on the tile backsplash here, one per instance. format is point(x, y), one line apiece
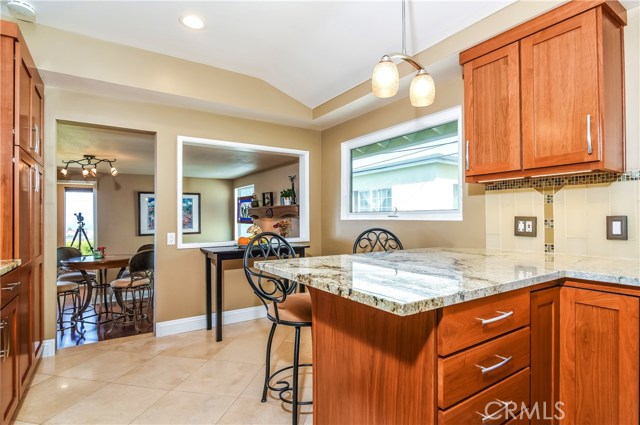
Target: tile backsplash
point(571, 219)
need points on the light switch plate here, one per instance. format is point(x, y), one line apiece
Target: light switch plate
point(617, 227)
point(525, 226)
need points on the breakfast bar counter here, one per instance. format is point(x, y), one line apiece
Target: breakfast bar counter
point(420, 335)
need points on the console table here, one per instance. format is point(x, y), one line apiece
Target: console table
point(217, 255)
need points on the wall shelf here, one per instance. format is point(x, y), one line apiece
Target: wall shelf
point(275, 211)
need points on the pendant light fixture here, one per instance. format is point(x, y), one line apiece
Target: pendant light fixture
point(385, 79)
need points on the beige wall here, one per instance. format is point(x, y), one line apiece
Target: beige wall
point(338, 235)
point(179, 273)
point(216, 209)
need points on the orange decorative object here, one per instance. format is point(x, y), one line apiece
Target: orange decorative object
point(242, 240)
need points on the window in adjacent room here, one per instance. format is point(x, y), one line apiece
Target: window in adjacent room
point(412, 171)
point(79, 218)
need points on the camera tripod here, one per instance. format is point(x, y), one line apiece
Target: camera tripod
point(80, 233)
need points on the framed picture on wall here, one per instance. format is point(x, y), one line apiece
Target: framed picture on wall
point(267, 199)
point(190, 213)
point(244, 203)
point(146, 213)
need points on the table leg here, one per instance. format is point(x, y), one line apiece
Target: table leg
point(207, 262)
point(218, 300)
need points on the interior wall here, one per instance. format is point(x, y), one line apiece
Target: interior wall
point(180, 274)
point(338, 235)
point(216, 209)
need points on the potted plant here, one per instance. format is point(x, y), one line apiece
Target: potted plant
point(285, 196)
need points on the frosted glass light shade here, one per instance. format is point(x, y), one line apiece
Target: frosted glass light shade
point(423, 89)
point(114, 172)
point(385, 79)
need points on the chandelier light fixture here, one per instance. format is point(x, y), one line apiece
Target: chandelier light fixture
point(89, 165)
point(385, 79)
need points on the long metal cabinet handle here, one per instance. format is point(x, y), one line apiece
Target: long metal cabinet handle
point(5, 339)
point(495, 415)
point(589, 146)
point(37, 175)
point(10, 286)
point(503, 315)
point(498, 365)
point(466, 156)
point(37, 128)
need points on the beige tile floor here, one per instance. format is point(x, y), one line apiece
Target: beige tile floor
point(180, 379)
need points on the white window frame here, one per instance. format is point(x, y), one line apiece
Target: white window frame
point(412, 126)
point(303, 186)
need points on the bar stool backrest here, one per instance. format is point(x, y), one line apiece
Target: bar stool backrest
point(141, 264)
point(269, 288)
point(66, 252)
point(146, 247)
point(376, 239)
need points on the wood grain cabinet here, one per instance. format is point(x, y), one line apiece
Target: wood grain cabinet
point(21, 201)
point(547, 97)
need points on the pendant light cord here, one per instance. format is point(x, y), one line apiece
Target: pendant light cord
point(404, 29)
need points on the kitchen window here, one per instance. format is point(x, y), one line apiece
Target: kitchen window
point(412, 171)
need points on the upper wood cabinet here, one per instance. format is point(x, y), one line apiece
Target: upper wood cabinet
point(547, 97)
point(492, 112)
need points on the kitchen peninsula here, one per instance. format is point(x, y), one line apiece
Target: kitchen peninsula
point(436, 335)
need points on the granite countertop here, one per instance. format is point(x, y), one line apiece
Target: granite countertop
point(416, 280)
point(7, 265)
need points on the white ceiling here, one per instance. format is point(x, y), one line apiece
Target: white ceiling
point(312, 50)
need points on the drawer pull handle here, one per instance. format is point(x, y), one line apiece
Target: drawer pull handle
point(495, 415)
point(10, 286)
point(504, 361)
point(503, 315)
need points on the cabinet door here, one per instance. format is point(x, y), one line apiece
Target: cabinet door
point(8, 361)
point(545, 339)
point(492, 112)
point(37, 116)
point(599, 378)
point(24, 182)
point(37, 308)
point(560, 113)
point(7, 91)
point(25, 139)
point(25, 327)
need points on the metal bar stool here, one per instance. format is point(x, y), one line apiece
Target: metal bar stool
point(67, 289)
point(284, 307)
point(376, 239)
point(64, 274)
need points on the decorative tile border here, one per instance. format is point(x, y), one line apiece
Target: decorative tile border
point(548, 223)
point(549, 248)
point(567, 180)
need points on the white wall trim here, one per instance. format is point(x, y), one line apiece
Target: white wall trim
point(195, 323)
point(48, 348)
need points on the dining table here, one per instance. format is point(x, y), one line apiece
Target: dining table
point(101, 265)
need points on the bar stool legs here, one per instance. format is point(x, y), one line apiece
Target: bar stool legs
point(67, 289)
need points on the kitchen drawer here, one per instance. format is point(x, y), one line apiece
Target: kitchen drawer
point(460, 376)
point(10, 285)
point(466, 324)
point(514, 389)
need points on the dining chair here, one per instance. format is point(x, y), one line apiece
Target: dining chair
point(145, 247)
point(67, 290)
point(284, 307)
point(133, 294)
point(376, 239)
point(65, 274)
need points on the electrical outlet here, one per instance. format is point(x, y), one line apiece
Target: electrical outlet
point(525, 226)
point(171, 238)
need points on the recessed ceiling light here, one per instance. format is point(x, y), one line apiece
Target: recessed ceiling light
point(192, 21)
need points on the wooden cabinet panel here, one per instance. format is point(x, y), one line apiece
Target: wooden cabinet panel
point(502, 401)
point(7, 90)
point(560, 111)
point(24, 197)
point(599, 364)
point(545, 359)
point(461, 325)
point(9, 388)
point(460, 375)
point(25, 327)
point(492, 112)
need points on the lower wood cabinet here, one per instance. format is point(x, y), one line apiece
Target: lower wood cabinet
point(9, 382)
point(599, 381)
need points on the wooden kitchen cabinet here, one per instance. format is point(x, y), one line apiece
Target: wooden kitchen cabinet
point(492, 112)
point(9, 386)
point(599, 364)
point(21, 197)
point(571, 87)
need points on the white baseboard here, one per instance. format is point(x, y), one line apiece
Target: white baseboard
point(48, 348)
point(195, 323)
